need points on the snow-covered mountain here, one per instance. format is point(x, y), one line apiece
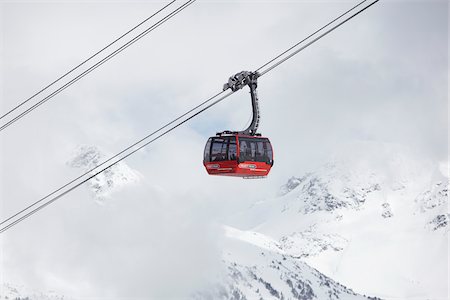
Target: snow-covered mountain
point(381, 231)
point(19, 292)
point(111, 180)
point(374, 226)
point(258, 268)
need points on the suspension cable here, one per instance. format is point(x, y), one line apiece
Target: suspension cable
point(86, 60)
point(48, 202)
point(96, 65)
point(111, 158)
point(317, 38)
point(3, 229)
point(315, 32)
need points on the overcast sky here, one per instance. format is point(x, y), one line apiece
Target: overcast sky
point(381, 78)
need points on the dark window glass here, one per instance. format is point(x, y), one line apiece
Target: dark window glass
point(219, 149)
point(269, 151)
point(206, 156)
point(247, 149)
point(260, 151)
point(255, 149)
point(232, 149)
point(245, 153)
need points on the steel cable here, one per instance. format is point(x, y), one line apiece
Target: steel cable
point(316, 39)
point(86, 60)
point(95, 66)
point(111, 158)
point(20, 219)
point(315, 32)
point(3, 229)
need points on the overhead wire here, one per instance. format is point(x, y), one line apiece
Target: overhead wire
point(85, 61)
point(111, 158)
point(3, 229)
point(315, 32)
point(20, 219)
point(316, 39)
point(96, 65)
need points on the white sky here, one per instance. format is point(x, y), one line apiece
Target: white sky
point(383, 77)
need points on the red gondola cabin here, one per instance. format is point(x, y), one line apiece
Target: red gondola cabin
point(238, 155)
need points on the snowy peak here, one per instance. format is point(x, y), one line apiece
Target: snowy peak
point(290, 185)
point(254, 238)
point(386, 211)
point(112, 179)
point(257, 269)
point(433, 198)
point(86, 157)
point(309, 243)
point(10, 292)
point(439, 222)
point(329, 189)
point(433, 203)
point(364, 222)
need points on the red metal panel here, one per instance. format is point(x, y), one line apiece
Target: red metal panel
point(232, 168)
point(243, 169)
